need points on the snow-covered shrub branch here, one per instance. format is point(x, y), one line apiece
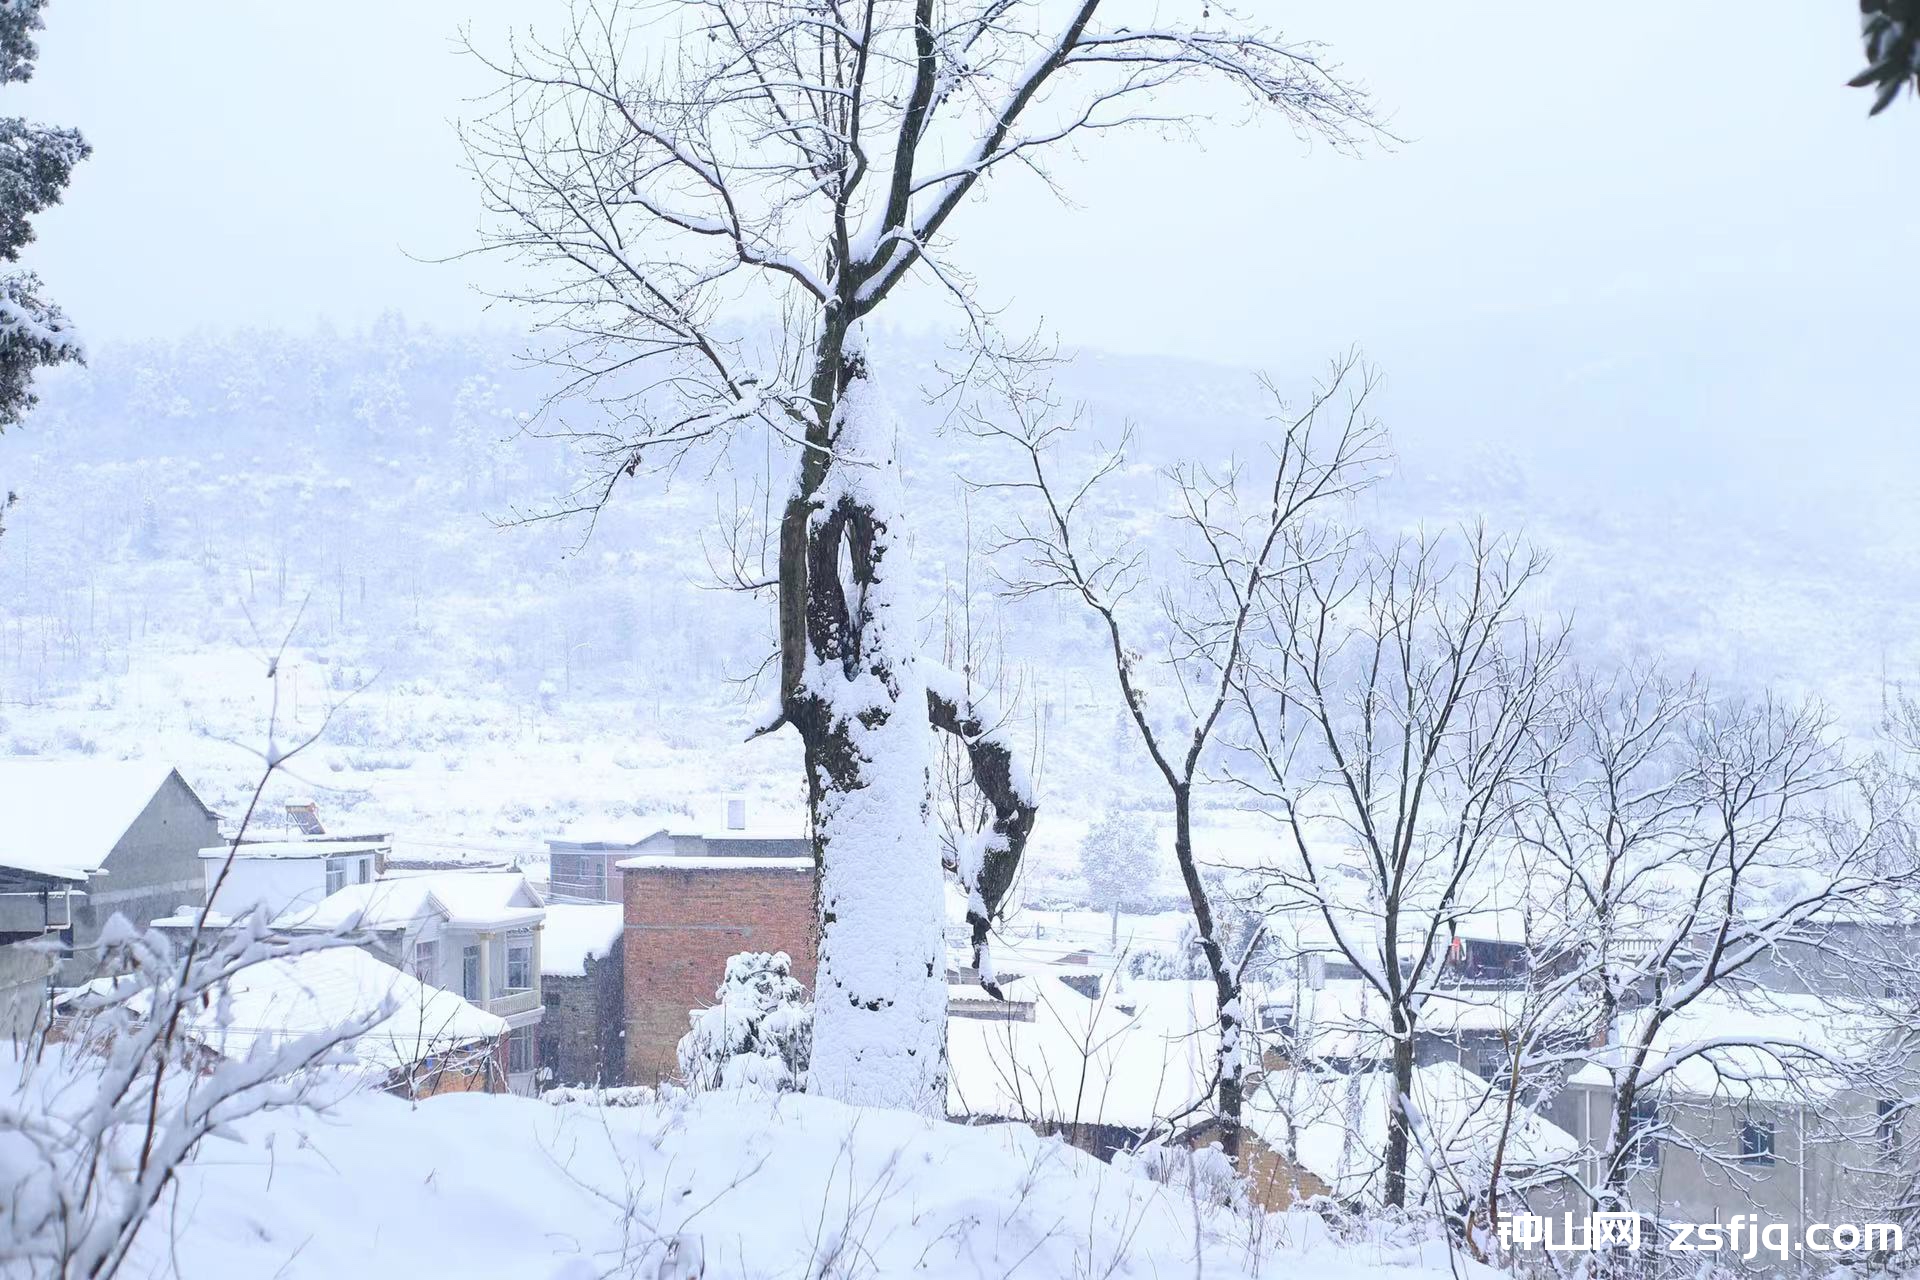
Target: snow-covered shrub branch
point(101, 1116)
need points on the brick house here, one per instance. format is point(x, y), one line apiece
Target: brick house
point(685, 915)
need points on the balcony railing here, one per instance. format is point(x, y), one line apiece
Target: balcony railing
point(508, 1003)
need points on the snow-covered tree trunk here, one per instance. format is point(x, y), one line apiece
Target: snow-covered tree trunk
point(861, 708)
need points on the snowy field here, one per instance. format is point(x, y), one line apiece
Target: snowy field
point(798, 1187)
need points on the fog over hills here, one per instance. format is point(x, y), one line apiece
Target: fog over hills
point(185, 506)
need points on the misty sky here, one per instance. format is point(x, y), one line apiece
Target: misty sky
point(1674, 214)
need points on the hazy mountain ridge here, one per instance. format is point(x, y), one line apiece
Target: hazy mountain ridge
point(186, 506)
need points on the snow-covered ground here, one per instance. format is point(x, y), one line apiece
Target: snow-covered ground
point(488, 1185)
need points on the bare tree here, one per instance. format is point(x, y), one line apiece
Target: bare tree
point(1708, 852)
point(1892, 959)
point(668, 167)
point(1243, 527)
point(1388, 713)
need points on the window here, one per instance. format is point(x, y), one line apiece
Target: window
point(366, 870)
point(1756, 1142)
point(1643, 1147)
point(519, 964)
point(1889, 1111)
point(470, 973)
point(551, 999)
point(426, 962)
point(520, 1050)
point(336, 876)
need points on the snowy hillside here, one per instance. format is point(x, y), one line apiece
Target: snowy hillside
point(185, 507)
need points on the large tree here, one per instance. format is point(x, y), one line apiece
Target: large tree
point(36, 161)
point(671, 170)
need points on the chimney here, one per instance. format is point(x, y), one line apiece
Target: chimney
point(736, 815)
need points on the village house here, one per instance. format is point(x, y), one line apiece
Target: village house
point(582, 963)
point(1343, 1025)
point(277, 875)
point(127, 835)
point(1330, 1129)
point(474, 933)
point(429, 1041)
point(584, 861)
point(1099, 1072)
point(1776, 1118)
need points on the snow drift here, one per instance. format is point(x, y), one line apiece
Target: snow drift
point(751, 1184)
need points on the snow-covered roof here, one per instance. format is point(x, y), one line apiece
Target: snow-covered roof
point(714, 862)
point(434, 852)
point(618, 833)
point(1041, 933)
point(1335, 1125)
point(469, 899)
point(576, 933)
point(709, 820)
point(295, 849)
point(320, 991)
point(1347, 1018)
point(1084, 1061)
point(1750, 1044)
point(188, 916)
point(63, 817)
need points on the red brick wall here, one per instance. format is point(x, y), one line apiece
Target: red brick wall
point(681, 926)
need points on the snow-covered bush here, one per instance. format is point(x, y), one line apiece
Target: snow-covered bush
point(1205, 1174)
point(759, 1031)
point(632, 1095)
point(1159, 964)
